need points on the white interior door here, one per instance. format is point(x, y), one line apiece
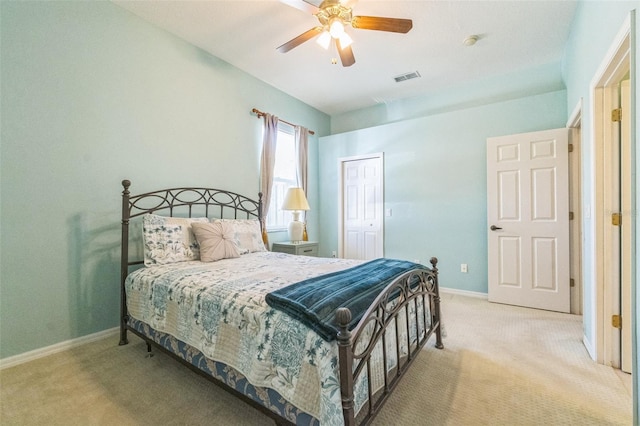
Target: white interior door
point(362, 208)
point(528, 219)
point(626, 225)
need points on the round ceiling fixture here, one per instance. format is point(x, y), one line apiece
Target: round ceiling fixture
point(471, 40)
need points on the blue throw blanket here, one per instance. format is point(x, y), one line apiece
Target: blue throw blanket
point(314, 301)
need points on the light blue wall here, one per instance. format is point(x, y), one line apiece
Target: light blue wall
point(91, 95)
point(435, 181)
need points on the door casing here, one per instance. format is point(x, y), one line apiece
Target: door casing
point(606, 266)
point(575, 207)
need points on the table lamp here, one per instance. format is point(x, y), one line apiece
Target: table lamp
point(295, 201)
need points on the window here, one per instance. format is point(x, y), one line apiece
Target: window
point(284, 177)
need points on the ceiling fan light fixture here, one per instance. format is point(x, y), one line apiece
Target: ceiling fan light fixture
point(345, 40)
point(324, 40)
point(334, 16)
point(336, 28)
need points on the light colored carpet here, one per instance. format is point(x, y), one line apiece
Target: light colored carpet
point(501, 365)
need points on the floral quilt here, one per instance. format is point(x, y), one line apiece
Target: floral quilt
point(220, 309)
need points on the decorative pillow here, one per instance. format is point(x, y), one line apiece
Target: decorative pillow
point(169, 239)
point(216, 241)
point(247, 234)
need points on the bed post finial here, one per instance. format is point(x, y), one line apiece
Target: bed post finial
point(343, 318)
point(345, 357)
point(434, 262)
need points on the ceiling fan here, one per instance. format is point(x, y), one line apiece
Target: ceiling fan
point(334, 16)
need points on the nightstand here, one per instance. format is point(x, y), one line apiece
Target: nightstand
point(303, 248)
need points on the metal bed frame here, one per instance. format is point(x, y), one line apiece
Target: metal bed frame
point(355, 347)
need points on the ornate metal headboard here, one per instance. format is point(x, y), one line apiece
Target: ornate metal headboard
point(181, 202)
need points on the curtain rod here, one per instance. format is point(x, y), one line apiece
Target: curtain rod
point(262, 114)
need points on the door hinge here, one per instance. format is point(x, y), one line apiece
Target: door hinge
point(570, 215)
point(570, 147)
point(616, 321)
point(616, 219)
point(572, 282)
point(616, 115)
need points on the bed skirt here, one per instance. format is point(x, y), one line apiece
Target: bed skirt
point(229, 376)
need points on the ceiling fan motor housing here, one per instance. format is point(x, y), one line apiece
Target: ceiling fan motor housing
point(331, 10)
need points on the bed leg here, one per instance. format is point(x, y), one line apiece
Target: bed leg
point(149, 352)
point(439, 344)
point(437, 318)
point(123, 334)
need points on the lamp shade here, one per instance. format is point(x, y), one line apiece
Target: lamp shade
point(295, 200)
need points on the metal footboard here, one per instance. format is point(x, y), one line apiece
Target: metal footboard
point(399, 323)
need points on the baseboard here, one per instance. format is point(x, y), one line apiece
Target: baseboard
point(58, 347)
point(468, 293)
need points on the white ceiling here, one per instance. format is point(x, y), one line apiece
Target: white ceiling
point(514, 35)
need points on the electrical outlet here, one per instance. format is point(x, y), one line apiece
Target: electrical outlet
point(334, 254)
point(464, 268)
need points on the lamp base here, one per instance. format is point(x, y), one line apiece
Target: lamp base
point(295, 231)
point(296, 228)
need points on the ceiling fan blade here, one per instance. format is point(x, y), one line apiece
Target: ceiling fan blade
point(346, 55)
point(307, 35)
point(394, 25)
point(302, 5)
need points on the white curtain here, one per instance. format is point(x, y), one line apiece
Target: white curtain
point(301, 135)
point(267, 162)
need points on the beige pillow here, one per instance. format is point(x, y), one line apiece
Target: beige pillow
point(216, 241)
point(247, 234)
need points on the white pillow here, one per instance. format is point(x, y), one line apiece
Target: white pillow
point(169, 239)
point(216, 241)
point(247, 234)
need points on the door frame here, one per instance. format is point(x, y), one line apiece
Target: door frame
point(575, 207)
point(626, 232)
point(380, 157)
point(604, 98)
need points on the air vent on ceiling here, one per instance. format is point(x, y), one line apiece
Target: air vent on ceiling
point(407, 76)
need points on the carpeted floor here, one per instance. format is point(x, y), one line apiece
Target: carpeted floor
point(502, 365)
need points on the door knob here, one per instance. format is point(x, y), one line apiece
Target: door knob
point(494, 228)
